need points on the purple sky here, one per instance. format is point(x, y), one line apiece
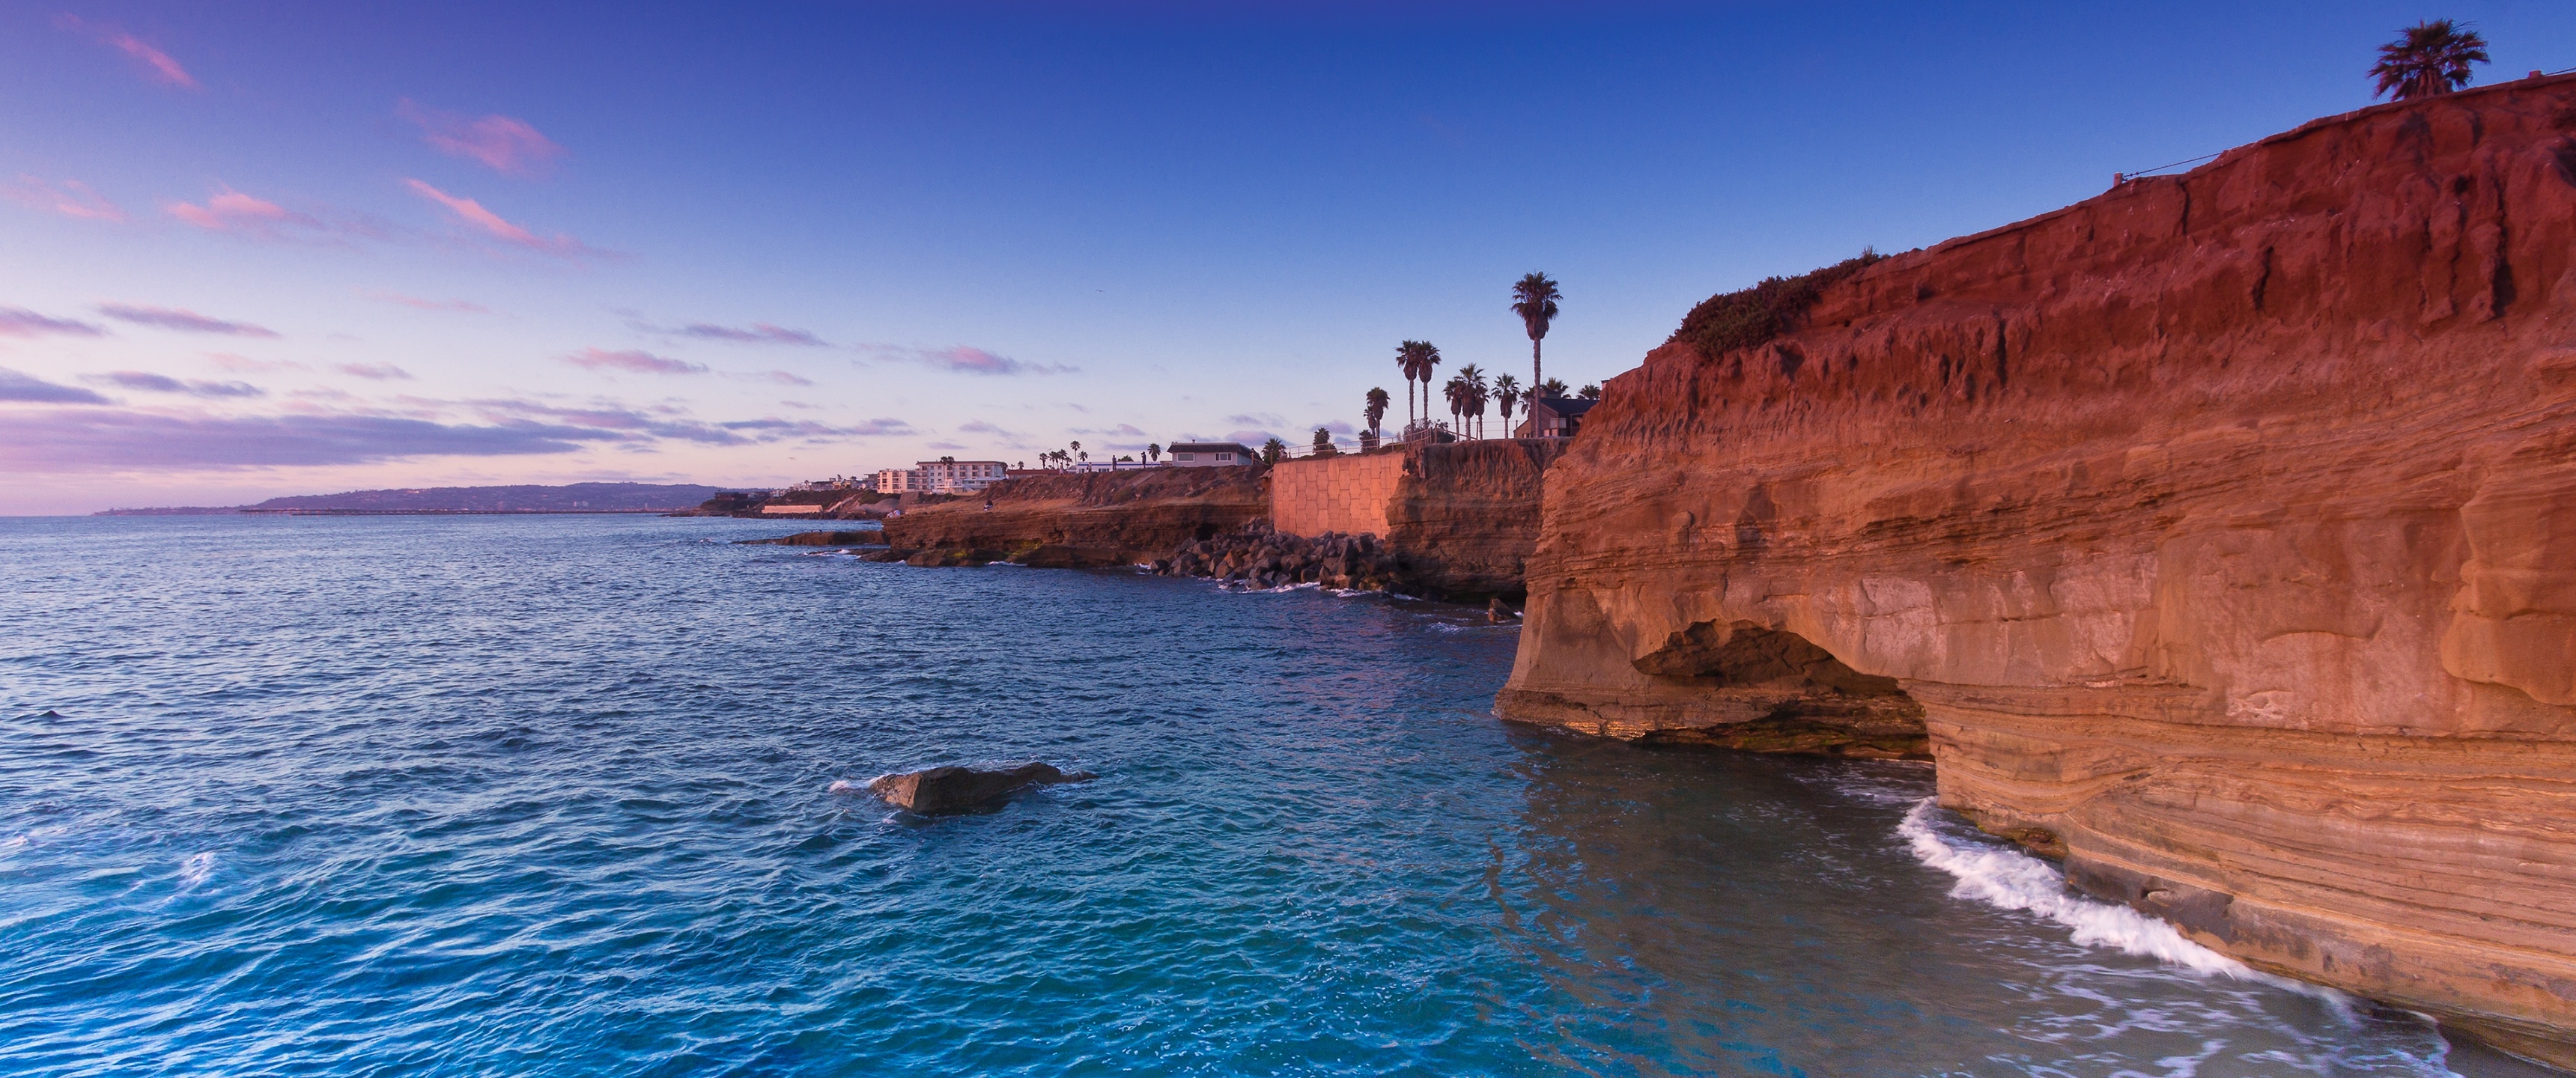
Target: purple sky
point(306, 247)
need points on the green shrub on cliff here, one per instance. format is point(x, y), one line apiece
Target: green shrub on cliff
point(1731, 320)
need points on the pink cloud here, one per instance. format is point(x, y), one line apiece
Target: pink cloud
point(21, 322)
point(632, 362)
point(233, 211)
point(473, 213)
point(70, 198)
point(380, 372)
point(507, 144)
point(157, 65)
point(181, 320)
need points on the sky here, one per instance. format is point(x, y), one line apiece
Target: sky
point(258, 249)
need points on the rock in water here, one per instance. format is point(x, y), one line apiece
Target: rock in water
point(957, 789)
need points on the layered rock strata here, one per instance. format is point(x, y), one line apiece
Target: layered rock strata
point(1077, 519)
point(2220, 530)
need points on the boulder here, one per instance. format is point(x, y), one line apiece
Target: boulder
point(958, 789)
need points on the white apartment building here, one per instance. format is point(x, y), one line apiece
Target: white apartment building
point(942, 477)
point(1211, 454)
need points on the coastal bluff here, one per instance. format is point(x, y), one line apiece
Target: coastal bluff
point(1456, 520)
point(2219, 531)
point(1082, 519)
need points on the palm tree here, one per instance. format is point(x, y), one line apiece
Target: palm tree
point(1534, 299)
point(1376, 411)
point(1404, 360)
point(1153, 451)
point(1591, 391)
point(2428, 58)
point(1429, 356)
point(1553, 388)
point(1507, 394)
point(1273, 451)
point(1419, 359)
point(1471, 389)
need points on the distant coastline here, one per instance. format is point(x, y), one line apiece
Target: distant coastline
point(463, 501)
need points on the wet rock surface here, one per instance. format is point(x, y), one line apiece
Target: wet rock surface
point(1262, 557)
point(942, 790)
point(869, 537)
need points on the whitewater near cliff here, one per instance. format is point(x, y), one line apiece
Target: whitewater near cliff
point(2216, 534)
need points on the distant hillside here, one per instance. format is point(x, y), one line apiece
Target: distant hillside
point(576, 498)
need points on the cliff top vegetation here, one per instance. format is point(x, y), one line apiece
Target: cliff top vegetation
point(1748, 317)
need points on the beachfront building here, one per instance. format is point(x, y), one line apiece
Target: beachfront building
point(948, 476)
point(1554, 417)
point(1211, 454)
point(902, 481)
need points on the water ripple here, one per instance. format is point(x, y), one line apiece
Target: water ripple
point(576, 796)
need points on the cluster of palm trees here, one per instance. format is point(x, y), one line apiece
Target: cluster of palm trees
point(1468, 392)
point(1066, 457)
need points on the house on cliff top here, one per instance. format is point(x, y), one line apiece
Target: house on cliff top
point(1554, 417)
point(1211, 454)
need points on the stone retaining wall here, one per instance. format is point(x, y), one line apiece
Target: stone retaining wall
point(1347, 493)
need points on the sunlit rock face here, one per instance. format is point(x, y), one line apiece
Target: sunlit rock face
point(2219, 532)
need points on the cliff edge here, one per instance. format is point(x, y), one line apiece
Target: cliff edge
point(2217, 533)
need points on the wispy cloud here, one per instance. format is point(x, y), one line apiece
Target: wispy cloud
point(1123, 430)
point(21, 322)
point(758, 333)
point(417, 303)
point(784, 378)
point(183, 321)
point(1257, 419)
point(506, 144)
point(148, 382)
point(632, 361)
point(670, 423)
point(978, 426)
point(492, 224)
point(27, 388)
point(234, 211)
point(157, 65)
point(965, 359)
point(70, 198)
point(90, 439)
point(374, 372)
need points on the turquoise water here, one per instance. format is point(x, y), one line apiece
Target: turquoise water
point(538, 796)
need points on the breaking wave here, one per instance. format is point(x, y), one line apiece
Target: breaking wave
point(2013, 880)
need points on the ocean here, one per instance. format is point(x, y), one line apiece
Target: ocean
point(580, 796)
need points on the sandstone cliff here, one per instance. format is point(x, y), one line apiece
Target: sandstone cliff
point(1073, 519)
point(1465, 516)
point(2219, 531)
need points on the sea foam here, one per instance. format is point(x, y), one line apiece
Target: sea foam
point(2013, 880)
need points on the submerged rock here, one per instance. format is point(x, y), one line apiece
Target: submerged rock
point(956, 789)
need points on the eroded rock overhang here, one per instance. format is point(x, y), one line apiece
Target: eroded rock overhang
point(2219, 532)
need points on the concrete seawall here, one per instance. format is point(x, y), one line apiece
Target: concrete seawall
point(1461, 517)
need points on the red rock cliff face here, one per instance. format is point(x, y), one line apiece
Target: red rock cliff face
point(2222, 527)
point(1090, 518)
